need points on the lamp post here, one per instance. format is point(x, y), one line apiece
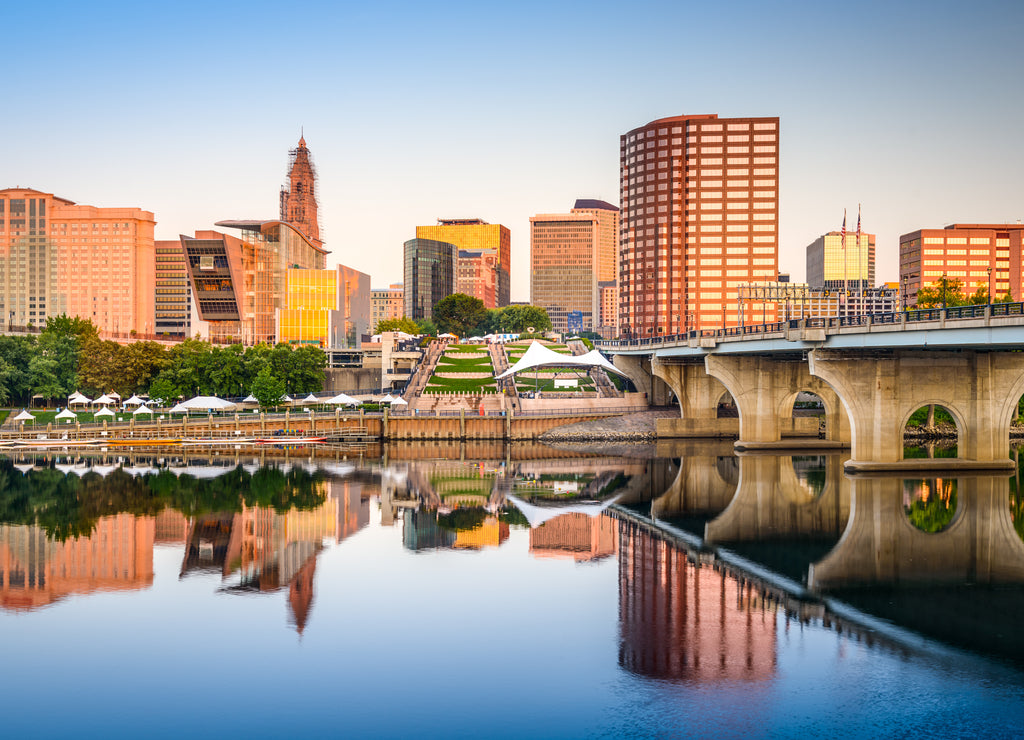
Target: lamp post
point(903, 293)
point(943, 291)
point(989, 271)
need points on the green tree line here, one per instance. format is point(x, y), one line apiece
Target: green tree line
point(466, 316)
point(68, 355)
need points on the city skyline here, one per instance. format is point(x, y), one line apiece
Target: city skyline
point(499, 132)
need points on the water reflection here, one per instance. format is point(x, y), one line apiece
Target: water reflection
point(930, 504)
point(680, 619)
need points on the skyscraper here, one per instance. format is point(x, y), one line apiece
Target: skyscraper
point(298, 198)
point(59, 257)
point(700, 216)
point(484, 258)
point(173, 303)
point(834, 265)
point(429, 275)
point(571, 255)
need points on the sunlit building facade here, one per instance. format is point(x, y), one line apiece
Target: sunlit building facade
point(59, 257)
point(429, 275)
point(173, 299)
point(484, 261)
point(978, 255)
point(328, 308)
point(387, 303)
point(240, 283)
point(838, 264)
point(700, 216)
point(298, 198)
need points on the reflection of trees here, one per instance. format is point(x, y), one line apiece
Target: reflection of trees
point(462, 520)
point(930, 504)
point(512, 516)
point(1017, 495)
point(66, 506)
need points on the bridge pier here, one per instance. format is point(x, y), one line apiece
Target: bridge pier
point(698, 395)
point(881, 546)
point(765, 389)
point(638, 368)
point(882, 389)
point(771, 503)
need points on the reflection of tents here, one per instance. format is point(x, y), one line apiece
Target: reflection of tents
point(537, 515)
point(343, 400)
point(538, 355)
point(203, 403)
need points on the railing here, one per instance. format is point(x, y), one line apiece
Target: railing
point(831, 324)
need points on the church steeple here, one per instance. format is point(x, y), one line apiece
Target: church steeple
point(298, 197)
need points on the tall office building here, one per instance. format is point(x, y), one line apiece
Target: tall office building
point(298, 199)
point(700, 216)
point(58, 257)
point(484, 264)
point(240, 283)
point(834, 265)
point(978, 255)
point(328, 308)
point(429, 275)
point(386, 303)
point(571, 255)
point(173, 299)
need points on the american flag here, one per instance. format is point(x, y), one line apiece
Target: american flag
point(858, 226)
point(844, 229)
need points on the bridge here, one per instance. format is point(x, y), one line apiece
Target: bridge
point(871, 373)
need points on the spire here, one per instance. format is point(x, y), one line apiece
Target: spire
point(298, 196)
point(302, 137)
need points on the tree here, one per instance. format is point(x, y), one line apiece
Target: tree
point(267, 388)
point(403, 324)
point(517, 319)
point(944, 291)
point(459, 314)
point(164, 389)
point(426, 326)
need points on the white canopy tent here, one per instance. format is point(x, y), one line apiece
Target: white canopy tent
point(78, 399)
point(537, 515)
point(24, 416)
point(399, 402)
point(66, 414)
point(311, 399)
point(103, 412)
point(538, 355)
point(203, 403)
point(103, 400)
point(344, 400)
point(133, 401)
point(386, 399)
point(250, 399)
point(142, 409)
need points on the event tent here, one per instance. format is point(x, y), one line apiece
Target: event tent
point(24, 416)
point(311, 399)
point(66, 414)
point(142, 409)
point(537, 515)
point(538, 355)
point(133, 401)
point(344, 400)
point(203, 403)
point(104, 400)
point(104, 412)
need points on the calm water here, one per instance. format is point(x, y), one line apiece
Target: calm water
point(523, 593)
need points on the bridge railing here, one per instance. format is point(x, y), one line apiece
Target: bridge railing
point(831, 324)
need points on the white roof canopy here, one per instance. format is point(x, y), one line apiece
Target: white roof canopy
point(202, 403)
point(344, 400)
point(538, 355)
point(24, 416)
point(142, 409)
point(66, 414)
point(133, 401)
point(537, 515)
point(311, 399)
point(104, 412)
point(104, 400)
point(78, 397)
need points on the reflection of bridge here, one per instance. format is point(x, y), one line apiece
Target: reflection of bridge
point(881, 546)
point(871, 374)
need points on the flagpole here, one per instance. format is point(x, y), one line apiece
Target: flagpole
point(846, 282)
point(860, 285)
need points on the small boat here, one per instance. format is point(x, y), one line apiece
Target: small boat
point(290, 440)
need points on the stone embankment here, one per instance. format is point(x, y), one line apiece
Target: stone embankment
point(635, 427)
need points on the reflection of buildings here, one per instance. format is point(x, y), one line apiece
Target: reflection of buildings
point(171, 527)
point(271, 550)
point(576, 535)
point(36, 571)
point(420, 531)
point(682, 621)
point(489, 534)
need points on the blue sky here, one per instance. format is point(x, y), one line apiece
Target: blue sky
point(500, 111)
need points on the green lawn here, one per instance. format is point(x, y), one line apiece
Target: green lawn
point(465, 348)
point(460, 385)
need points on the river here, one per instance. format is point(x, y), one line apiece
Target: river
point(506, 592)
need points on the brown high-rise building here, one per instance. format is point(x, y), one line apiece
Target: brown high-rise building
point(700, 216)
point(571, 255)
point(298, 198)
point(985, 256)
point(59, 257)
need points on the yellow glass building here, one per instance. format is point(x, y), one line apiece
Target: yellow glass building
point(484, 262)
point(831, 265)
point(328, 308)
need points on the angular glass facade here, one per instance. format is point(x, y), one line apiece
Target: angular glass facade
point(429, 275)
